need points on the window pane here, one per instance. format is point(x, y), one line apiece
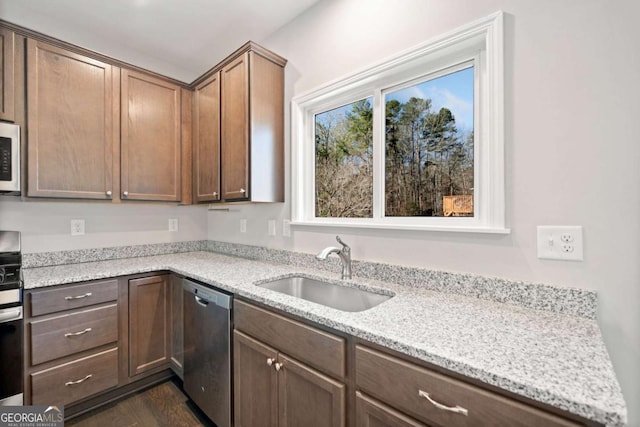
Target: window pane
point(429, 148)
point(344, 161)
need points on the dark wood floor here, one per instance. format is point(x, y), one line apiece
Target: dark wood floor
point(161, 405)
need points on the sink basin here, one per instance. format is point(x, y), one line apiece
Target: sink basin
point(328, 294)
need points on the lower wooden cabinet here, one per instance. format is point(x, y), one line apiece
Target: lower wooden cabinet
point(72, 333)
point(177, 322)
point(308, 398)
point(371, 413)
point(149, 324)
point(71, 342)
point(88, 342)
point(273, 389)
point(255, 383)
point(440, 400)
point(69, 382)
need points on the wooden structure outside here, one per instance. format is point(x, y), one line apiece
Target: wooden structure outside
point(460, 205)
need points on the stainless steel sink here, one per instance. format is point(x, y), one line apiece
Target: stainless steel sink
point(334, 296)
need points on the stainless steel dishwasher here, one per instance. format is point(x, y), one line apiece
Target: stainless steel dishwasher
point(207, 350)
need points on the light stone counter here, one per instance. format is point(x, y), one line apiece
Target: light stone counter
point(554, 358)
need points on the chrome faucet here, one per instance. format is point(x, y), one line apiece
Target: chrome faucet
point(344, 254)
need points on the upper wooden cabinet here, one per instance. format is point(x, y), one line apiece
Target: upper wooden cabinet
point(72, 123)
point(250, 166)
point(150, 138)
point(7, 38)
point(97, 128)
point(206, 134)
point(235, 129)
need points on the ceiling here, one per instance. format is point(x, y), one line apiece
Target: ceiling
point(178, 38)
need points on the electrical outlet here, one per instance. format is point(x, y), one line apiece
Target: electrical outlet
point(243, 225)
point(77, 227)
point(560, 242)
point(566, 237)
point(286, 228)
point(567, 248)
point(173, 224)
point(271, 227)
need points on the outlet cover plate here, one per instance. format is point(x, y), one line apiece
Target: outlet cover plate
point(77, 227)
point(563, 242)
point(173, 224)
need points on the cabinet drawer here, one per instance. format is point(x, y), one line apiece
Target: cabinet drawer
point(70, 333)
point(371, 413)
point(319, 349)
point(69, 297)
point(405, 386)
point(75, 380)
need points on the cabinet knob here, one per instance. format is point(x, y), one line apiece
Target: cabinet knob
point(278, 366)
point(215, 194)
point(125, 194)
point(108, 193)
point(242, 190)
point(270, 361)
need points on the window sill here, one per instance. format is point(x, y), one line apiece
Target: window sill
point(408, 227)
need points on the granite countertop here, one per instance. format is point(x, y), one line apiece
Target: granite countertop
point(553, 358)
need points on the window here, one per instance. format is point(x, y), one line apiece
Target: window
point(344, 161)
point(428, 151)
point(414, 142)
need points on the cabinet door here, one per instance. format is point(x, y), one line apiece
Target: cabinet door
point(207, 139)
point(371, 413)
point(148, 324)
point(151, 144)
point(235, 129)
point(72, 124)
point(177, 322)
point(6, 74)
point(255, 383)
point(307, 397)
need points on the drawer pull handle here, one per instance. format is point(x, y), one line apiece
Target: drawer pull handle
point(270, 361)
point(75, 334)
point(278, 366)
point(81, 380)
point(88, 294)
point(11, 315)
point(456, 409)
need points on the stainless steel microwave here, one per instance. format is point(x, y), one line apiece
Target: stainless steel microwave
point(9, 158)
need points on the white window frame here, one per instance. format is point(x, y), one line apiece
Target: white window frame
point(479, 43)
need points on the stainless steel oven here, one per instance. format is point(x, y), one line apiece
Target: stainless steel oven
point(9, 158)
point(11, 342)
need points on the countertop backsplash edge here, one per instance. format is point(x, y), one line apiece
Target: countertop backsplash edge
point(537, 296)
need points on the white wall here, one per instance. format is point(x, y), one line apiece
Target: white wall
point(45, 226)
point(572, 146)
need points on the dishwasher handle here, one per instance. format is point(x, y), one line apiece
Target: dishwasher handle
point(206, 295)
point(201, 301)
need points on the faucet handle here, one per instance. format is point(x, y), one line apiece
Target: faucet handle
point(345, 247)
